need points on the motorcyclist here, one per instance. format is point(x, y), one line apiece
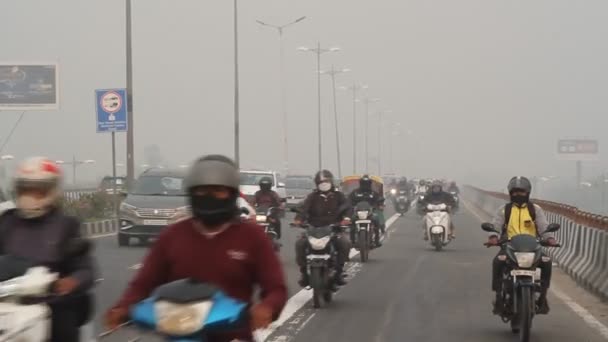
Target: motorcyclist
point(525, 217)
point(213, 246)
point(324, 206)
point(452, 187)
point(436, 195)
point(365, 193)
point(38, 231)
point(267, 198)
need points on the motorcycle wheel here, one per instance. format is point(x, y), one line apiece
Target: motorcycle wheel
point(525, 314)
point(363, 245)
point(316, 280)
point(437, 242)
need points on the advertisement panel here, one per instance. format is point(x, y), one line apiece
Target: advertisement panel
point(29, 86)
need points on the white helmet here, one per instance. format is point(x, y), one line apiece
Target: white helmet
point(37, 186)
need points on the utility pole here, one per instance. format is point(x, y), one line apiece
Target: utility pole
point(130, 135)
point(237, 156)
point(354, 88)
point(333, 72)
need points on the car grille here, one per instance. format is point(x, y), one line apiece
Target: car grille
point(156, 213)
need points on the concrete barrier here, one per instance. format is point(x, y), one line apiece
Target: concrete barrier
point(99, 227)
point(583, 236)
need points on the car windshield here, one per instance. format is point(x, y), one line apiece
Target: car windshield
point(248, 178)
point(300, 183)
point(159, 186)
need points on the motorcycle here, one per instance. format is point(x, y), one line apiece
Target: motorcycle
point(456, 201)
point(438, 225)
point(521, 279)
point(363, 229)
point(24, 289)
point(402, 202)
point(186, 310)
point(321, 261)
point(267, 218)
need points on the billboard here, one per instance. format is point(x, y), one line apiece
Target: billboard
point(29, 86)
point(578, 149)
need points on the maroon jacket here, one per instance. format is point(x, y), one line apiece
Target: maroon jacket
point(266, 199)
point(236, 260)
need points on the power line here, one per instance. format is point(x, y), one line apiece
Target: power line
point(10, 134)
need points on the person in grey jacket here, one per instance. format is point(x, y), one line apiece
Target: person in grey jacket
point(39, 233)
point(520, 216)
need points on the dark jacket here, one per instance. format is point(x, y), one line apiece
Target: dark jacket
point(42, 241)
point(439, 198)
point(266, 199)
point(372, 197)
point(322, 209)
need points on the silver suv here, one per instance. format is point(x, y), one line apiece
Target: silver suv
point(156, 201)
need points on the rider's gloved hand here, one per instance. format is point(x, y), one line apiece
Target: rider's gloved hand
point(492, 241)
point(115, 317)
point(65, 285)
point(261, 316)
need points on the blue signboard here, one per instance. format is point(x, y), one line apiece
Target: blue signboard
point(111, 107)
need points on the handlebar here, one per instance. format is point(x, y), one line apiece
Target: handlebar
point(503, 241)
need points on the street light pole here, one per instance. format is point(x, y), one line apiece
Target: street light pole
point(237, 157)
point(130, 136)
point(380, 115)
point(319, 51)
point(367, 102)
point(280, 30)
point(333, 72)
point(75, 163)
point(355, 87)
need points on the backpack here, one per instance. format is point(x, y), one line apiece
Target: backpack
point(509, 208)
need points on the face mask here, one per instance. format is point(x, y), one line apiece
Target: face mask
point(212, 211)
point(324, 187)
point(519, 199)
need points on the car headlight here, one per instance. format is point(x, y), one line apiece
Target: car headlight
point(318, 244)
point(260, 218)
point(127, 207)
point(524, 259)
point(393, 191)
point(363, 214)
point(181, 319)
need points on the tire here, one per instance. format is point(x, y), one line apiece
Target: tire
point(123, 240)
point(525, 314)
point(363, 245)
point(318, 286)
point(437, 243)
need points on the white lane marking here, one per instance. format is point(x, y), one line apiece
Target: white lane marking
point(101, 236)
point(574, 306)
point(135, 266)
point(581, 312)
point(297, 301)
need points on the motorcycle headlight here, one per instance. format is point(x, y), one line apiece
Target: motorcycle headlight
point(318, 244)
point(362, 215)
point(393, 191)
point(181, 319)
point(524, 259)
point(260, 218)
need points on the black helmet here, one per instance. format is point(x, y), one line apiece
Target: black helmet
point(520, 183)
point(365, 183)
point(324, 176)
point(265, 183)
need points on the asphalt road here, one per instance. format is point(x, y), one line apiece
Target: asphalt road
point(409, 292)
point(119, 264)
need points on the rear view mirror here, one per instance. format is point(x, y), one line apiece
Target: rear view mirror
point(488, 227)
point(553, 227)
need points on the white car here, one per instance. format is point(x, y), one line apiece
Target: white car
point(250, 180)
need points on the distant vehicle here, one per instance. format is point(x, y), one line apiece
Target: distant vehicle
point(107, 184)
point(297, 188)
point(157, 200)
point(250, 180)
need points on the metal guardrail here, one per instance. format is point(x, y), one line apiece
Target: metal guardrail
point(583, 236)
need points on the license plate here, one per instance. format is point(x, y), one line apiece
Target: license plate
point(156, 222)
point(528, 273)
point(363, 221)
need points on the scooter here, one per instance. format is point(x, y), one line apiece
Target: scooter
point(24, 314)
point(185, 310)
point(521, 278)
point(402, 202)
point(267, 218)
point(438, 225)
